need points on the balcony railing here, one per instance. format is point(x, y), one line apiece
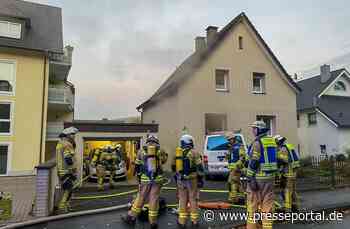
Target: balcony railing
point(61, 96)
point(53, 129)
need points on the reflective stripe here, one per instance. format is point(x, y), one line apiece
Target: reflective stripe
point(183, 214)
point(194, 215)
point(138, 162)
point(135, 209)
point(250, 172)
point(152, 213)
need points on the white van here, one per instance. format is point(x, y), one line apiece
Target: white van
point(214, 156)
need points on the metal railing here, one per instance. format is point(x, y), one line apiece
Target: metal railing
point(53, 129)
point(61, 95)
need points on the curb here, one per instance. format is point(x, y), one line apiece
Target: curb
point(65, 216)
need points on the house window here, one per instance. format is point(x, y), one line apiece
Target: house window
point(258, 83)
point(323, 149)
point(298, 120)
point(270, 122)
point(312, 118)
point(5, 118)
point(221, 80)
point(7, 77)
point(215, 122)
point(339, 86)
point(4, 150)
point(240, 42)
point(10, 29)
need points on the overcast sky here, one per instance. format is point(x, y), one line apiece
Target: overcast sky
point(124, 49)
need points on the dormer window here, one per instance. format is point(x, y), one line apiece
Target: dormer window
point(339, 86)
point(10, 29)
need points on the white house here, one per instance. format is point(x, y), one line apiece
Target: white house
point(324, 113)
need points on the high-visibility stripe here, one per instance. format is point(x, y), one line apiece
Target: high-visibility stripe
point(250, 172)
point(136, 209)
point(194, 215)
point(153, 213)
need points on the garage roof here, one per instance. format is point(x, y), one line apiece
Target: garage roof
point(111, 126)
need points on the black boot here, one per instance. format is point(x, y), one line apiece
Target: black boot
point(128, 219)
point(154, 226)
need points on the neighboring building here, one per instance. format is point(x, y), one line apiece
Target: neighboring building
point(35, 96)
point(324, 113)
point(231, 80)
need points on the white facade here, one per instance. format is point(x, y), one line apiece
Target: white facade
point(311, 137)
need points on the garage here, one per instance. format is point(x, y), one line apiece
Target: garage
point(94, 134)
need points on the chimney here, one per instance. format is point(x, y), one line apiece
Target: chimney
point(68, 52)
point(325, 73)
point(295, 76)
point(199, 44)
point(211, 34)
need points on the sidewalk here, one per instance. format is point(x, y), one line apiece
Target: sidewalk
point(23, 191)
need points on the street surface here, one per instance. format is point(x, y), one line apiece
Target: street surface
point(310, 200)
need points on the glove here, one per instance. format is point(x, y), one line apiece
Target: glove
point(200, 182)
point(252, 184)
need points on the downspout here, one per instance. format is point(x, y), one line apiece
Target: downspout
point(43, 109)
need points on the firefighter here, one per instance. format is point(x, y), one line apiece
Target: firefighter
point(189, 177)
point(118, 150)
point(148, 166)
point(288, 161)
point(66, 166)
point(104, 160)
point(261, 171)
point(236, 163)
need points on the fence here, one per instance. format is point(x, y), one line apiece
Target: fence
point(323, 171)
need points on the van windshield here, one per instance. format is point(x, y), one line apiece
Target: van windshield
point(220, 142)
point(217, 143)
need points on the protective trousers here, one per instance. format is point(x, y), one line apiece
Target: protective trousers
point(67, 185)
point(188, 193)
point(150, 192)
point(234, 185)
point(290, 195)
point(101, 174)
point(263, 200)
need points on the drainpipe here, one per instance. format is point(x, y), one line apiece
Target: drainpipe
point(43, 108)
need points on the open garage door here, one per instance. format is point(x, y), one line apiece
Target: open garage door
point(130, 147)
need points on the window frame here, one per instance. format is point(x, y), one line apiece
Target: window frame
point(14, 63)
point(9, 157)
point(308, 118)
point(272, 121)
point(11, 120)
point(240, 43)
point(343, 86)
point(10, 36)
point(262, 79)
point(226, 80)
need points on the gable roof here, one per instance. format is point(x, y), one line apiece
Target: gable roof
point(42, 25)
point(336, 108)
point(311, 88)
point(192, 62)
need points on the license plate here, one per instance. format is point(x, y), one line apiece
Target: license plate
point(221, 158)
